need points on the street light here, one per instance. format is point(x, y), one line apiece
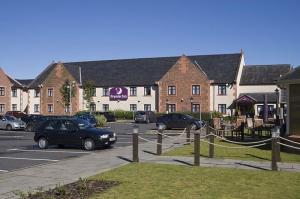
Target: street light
point(70, 86)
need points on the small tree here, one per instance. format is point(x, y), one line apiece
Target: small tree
point(88, 93)
point(65, 92)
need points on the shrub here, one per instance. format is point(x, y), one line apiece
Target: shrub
point(101, 120)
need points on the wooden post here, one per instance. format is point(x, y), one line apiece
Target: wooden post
point(274, 165)
point(197, 148)
point(159, 142)
point(207, 129)
point(278, 150)
point(188, 134)
point(135, 144)
point(211, 146)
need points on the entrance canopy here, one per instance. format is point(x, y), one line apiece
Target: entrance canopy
point(243, 100)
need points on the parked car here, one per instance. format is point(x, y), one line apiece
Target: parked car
point(32, 125)
point(178, 120)
point(88, 117)
point(11, 123)
point(19, 115)
point(144, 116)
point(72, 132)
point(110, 117)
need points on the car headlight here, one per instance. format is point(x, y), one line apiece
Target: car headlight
point(105, 136)
point(16, 124)
point(115, 134)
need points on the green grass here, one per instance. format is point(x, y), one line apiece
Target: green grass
point(143, 181)
point(257, 154)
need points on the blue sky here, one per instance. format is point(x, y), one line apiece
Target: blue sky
point(33, 33)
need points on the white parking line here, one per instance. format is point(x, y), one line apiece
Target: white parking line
point(123, 142)
point(3, 171)
point(46, 151)
point(31, 159)
point(9, 136)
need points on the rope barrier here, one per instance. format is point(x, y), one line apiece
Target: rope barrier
point(242, 147)
point(288, 146)
point(153, 141)
point(289, 140)
point(257, 142)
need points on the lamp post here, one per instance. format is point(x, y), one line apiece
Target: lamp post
point(277, 107)
point(71, 85)
point(191, 100)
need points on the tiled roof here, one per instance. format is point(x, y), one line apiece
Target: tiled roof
point(293, 75)
point(259, 97)
point(263, 74)
point(25, 82)
point(221, 68)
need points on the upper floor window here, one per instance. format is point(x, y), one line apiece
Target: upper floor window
point(93, 92)
point(221, 89)
point(14, 93)
point(2, 91)
point(50, 92)
point(132, 91)
point(14, 107)
point(171, 90)
point(36, 93)
point(2, 108)
point(105, 92)
point(147, 90)
point(195, 89)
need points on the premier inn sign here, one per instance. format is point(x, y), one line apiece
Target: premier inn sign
point(118, 94)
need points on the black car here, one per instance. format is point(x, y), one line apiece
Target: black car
point(88, 117)
point(144, 116)
point(179, 121)
point(72, 132)
point(110, 117)
point(36, 121)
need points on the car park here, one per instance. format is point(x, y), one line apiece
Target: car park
point(18, 114)
point(144, 116)
point(72, 132)
point(179, 121)
point(9, 123)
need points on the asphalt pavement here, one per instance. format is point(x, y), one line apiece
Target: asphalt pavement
point(18, 149)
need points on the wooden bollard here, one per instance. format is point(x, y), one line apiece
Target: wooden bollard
point(159, 142)
point(197, 148)
point(188, 134)
point(135, 144)
point(211, 146)
point(275, 149)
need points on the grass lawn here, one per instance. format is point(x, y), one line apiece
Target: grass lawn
point(173, 181)
point(262, 153)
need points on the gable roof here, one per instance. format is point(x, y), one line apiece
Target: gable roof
point(221, 68)
point(263, 74)
point(294, 75)
point(259, 97)
point(25, 82)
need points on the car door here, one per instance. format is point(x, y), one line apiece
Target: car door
point(50, 131)
point(68, 133)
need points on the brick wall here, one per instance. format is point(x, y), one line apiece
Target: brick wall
point(6, 99)
point(55, 80)
point(183, 75)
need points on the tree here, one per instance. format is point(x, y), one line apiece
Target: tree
point(89, 90)
point(65, 92)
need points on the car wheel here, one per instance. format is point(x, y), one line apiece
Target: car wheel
point(43, 143)
point(8, 127)
point(193, 126)
point(89, 144)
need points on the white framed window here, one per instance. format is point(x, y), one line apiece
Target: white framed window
point(2, 91)
point(50, 108)
point(222, 89)
point(14, 92)
point(222, 108)
point(36, 93)
point(196, 108)
point(50, 92)
point(171, 90)
point(171, 108)
point(36, 108)
point(133, 107)
point(132, 91)
point(2, 108)
point(105, 92)
point(93, 107)
point(195, 89)
point(147, 90)
point(14, 107)
point(105, 107)
point(147, 107)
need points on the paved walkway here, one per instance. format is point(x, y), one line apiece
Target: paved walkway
point(67, 171)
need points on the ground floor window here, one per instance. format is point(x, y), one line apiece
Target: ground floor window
point(271, 110)
point(105, 107)
point(67, 109)
point(195, 108)
point(133, 107)
point(222, 108)
point(2, 108)
point(171, 108)
point(50, 108)
point(93, 107)
point(36, 108)
point(14, 107)
point(147, 107)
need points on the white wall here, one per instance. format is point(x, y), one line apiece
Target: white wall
point(216, 99)
point(99, 100)
point(257, 89)
point(32, 100)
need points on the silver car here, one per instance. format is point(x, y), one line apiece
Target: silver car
point(11, 123)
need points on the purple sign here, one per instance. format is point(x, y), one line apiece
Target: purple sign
point(118, 93)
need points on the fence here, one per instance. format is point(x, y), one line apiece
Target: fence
point(208, 135)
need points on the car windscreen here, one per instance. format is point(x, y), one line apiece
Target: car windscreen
point(140, 113)
point(10, 118)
